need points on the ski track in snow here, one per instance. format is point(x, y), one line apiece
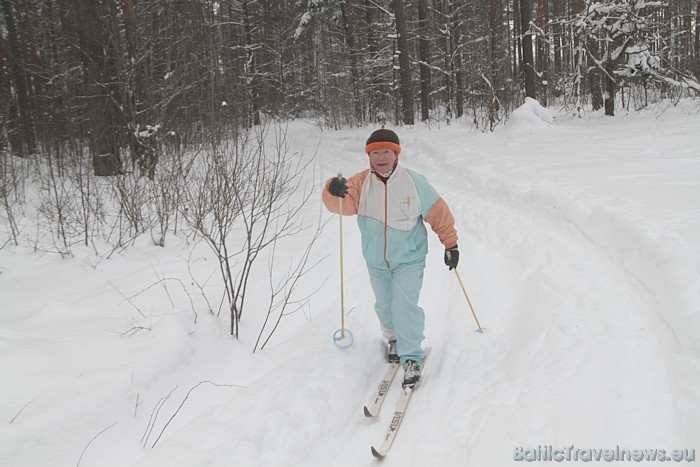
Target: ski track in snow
point(590, 332)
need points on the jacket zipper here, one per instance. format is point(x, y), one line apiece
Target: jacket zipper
point(386, 220)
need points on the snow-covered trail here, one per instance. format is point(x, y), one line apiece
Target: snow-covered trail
point(570, 346)
point(581, 257)
point(576, 350)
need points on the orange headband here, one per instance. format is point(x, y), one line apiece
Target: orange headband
point(383, 145)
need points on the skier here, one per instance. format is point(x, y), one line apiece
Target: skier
point(391, 203)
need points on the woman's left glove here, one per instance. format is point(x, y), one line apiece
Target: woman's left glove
point(452, 257)
point(339, 186)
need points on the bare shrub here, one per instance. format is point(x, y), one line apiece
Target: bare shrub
point(244, 195)
point(12, 195)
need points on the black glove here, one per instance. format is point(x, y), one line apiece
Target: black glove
point(452, 257)
point(338, 187)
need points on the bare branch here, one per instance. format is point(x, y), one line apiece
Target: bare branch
point(91, 441)
point(20, 411)
point(185, 400)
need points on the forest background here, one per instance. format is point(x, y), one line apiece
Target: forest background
point(128, 80)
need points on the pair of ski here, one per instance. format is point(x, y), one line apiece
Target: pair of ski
point(372, 409)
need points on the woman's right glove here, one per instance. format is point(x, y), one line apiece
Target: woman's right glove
point(338, 187)
point(452, 257)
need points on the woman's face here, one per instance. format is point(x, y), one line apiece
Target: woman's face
point(382, 160)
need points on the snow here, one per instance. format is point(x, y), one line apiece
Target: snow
point(529, 117)
point(303, 23)
point(580, 250)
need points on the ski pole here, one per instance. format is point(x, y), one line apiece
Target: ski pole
point(468, 301)
point(342, 291)
point(339, 338)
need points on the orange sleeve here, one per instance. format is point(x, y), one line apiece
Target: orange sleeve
point(442, 222)
point(351, 202)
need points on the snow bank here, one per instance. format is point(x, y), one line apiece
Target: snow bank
point(529, 117)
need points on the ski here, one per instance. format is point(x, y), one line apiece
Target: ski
point(397, 418)
point(372, 409)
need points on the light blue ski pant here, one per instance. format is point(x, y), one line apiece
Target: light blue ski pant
point(396, 293)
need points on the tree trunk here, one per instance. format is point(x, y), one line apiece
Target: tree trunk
point(5, 98)
point(610, 89)
point(99, 75)
point(424, 56)
point(594, 78)
point(493, 61)
point(252, 85)
point(574, 53)
point(372, 56)
point(23, 136)
point(517, 40)
point(142, 153)
point(443, 10)
point(404, 64)
point(352, 53)
point(130, 27)
point(557, 35)
point(543, 47)
point(528, 63)
point(687, 34)
point(696, 54)
point(456, 27)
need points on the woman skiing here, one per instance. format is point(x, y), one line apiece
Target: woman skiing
point(391, 203)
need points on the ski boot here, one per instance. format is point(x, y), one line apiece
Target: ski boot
point(411, 374)
point(392, 355)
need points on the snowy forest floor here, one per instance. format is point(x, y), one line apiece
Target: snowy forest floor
point(580, 249)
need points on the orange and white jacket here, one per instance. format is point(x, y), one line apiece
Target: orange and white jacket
point(391, 214)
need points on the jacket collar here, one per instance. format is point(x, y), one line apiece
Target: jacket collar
point(386, 179)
